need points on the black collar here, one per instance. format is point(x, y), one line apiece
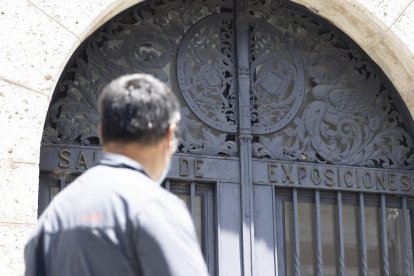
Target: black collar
point(121, 161)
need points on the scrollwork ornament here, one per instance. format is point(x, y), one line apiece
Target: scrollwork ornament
point(349, 116)
point(314, 96)
point(201, 140)
point(144, 40)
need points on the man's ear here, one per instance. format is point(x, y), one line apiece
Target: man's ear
point(171, 134)
point(171, 131)
point(99, 130)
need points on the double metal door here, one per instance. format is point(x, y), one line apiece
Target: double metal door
point(275, 103)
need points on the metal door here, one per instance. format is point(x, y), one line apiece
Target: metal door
point(274, 99)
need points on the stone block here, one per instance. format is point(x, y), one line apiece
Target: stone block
point(36, 46)
point(75, 15)
point(393, 63)
point(356, 22)
point(19, 185)
point(12, 240)
point(22, 113)
point(409, 100)
point(386, 10)
point(403, 28)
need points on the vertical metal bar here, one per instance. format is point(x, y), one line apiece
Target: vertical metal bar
point(296, 247)
point(319, 256)
point(362, 236)
point(192, 199)
point(384, 237)
point(245, 137)
point(407, 245)
point(342, 271)
point(168, 185)
point(62, 181)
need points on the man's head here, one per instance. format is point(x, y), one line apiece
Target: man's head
point(139, 115)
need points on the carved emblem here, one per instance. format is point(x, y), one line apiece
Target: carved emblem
point(206, 72)
point(276, 74)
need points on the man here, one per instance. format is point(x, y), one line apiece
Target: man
point(115, 219)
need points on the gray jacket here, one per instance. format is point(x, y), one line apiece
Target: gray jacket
point(114, 220)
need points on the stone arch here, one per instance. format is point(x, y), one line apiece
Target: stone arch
point(36, 85)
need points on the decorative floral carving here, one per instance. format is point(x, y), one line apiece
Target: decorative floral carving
point(349, 116)
point(200, 140)
point(145, 39)
point(314, 96)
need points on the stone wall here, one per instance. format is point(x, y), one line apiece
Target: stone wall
point(39, 36)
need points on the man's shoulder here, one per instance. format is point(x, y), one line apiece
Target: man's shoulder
point(104, 186)
point(134, 187)
point(164, 208)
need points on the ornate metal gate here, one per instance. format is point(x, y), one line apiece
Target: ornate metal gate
point(275, 103)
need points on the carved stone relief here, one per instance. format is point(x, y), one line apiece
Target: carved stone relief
point(314, 96)
point(348, 116)
point(145, 39)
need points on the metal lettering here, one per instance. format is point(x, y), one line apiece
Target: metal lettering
point(318, 180)
point(347, 183)
point(329, 177)
point(380, 180)
point(358, 176)
point(184, 170)
point(392, 184)
point(302, 175)
point(367, 183)
point(81, 161)
point(271, 172)
point(65, 157)
point(197, 167)
point(288, 177)
point(405, 181)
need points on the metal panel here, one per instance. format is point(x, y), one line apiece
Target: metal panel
point(264, 230)
point(230, 232)
point(333, 177)
point(54, 159)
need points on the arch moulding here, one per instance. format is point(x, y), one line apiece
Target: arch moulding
point(52, 32)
